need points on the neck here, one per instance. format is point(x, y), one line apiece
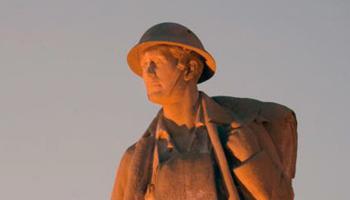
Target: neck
point(183, 111)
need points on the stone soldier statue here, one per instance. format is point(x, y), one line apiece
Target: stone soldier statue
point(201, 147)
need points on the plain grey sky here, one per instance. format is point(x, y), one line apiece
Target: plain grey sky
point(70, 106)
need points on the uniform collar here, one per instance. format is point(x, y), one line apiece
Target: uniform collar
point(215, 112)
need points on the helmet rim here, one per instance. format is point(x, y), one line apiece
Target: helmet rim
point(172, 34)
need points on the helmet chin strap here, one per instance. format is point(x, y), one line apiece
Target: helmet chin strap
point(178, 76)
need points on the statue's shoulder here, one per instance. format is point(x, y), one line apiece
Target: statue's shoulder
point(248, 108)
point(131, 149)
point(128, 154)
point(278, 120)
point(127, 157)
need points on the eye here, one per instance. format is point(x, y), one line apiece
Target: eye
point(160, 59)
point(157, 60)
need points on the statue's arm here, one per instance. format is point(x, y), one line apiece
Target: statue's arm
point(260, 171)
point(122, 175)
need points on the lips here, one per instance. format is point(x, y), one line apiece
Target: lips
point(154, 84)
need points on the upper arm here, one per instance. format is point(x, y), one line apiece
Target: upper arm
point(122, 175)
point(282, 127)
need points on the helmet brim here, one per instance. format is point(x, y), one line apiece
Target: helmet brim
point(134, 54)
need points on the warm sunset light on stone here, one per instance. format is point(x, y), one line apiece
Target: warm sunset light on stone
point(200, 147)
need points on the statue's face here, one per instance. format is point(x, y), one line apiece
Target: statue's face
point(162, 78)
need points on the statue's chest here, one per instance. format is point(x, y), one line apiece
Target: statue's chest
point(186, 176)
point(185, 168)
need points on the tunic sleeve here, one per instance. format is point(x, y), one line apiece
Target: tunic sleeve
point(122, 175)
point(263, 179)
point(262, 173)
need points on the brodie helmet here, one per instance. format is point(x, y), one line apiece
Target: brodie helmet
point(171, 34)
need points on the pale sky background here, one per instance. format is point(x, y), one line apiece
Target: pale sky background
point(70, 106)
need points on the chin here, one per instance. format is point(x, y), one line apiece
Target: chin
point(160, 98)
point(156, 97)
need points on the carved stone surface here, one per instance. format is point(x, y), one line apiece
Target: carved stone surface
point(201, 147)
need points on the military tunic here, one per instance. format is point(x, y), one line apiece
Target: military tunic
point(184, 173)
point(155, 163)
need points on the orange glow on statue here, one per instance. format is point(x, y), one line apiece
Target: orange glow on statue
point(171, 81)
point(201, 147)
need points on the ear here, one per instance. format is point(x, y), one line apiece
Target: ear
point(191, 70)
